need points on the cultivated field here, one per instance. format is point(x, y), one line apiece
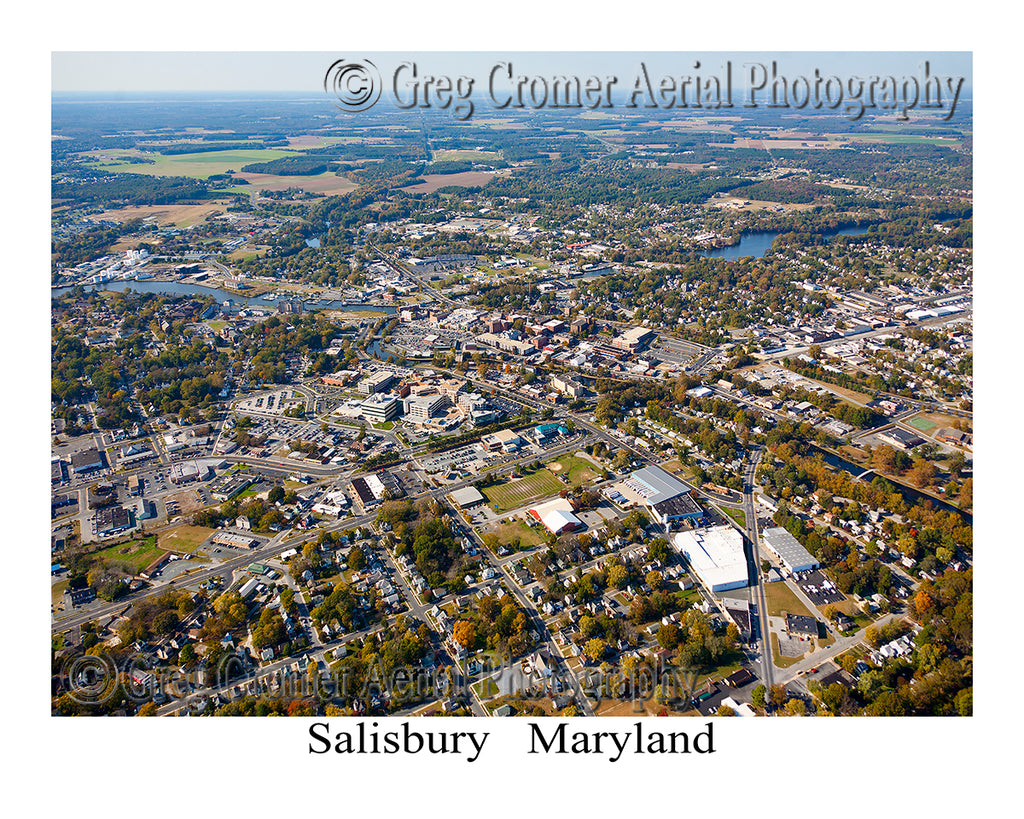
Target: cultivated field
point(469, 179)
point(904, 139)
point(778, 144)
point(472, 156)
point(198, 165)
point(179, 215)
point(737, 203)
point(326, 183)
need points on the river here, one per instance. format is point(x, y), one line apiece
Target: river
point(189, 289)
point(910, 495)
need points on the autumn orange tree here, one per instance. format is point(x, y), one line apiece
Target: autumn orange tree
point(464, 633)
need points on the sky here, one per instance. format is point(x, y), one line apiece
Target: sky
point(269, 71)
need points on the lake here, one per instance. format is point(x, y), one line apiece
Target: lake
point(758, 244)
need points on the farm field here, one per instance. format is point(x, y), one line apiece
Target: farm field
point(326, 183)
point(198, 165)
point(469, 179)
point(902, 139)
point(445, 155)
point(183, 215)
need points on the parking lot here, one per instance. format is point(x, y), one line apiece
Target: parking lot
point(819, 589)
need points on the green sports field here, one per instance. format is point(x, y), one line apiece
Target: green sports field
point(524, 490)
point(542, 483)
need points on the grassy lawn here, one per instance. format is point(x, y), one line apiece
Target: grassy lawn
point(136, 553)
point(779, 598)
point(509, 530)
point(737, 515)
point(384, 425)
point(199, 165)
point(485, 689)
point(513, 494)
point(57, 590)
point(578, 470)
point(183, 538)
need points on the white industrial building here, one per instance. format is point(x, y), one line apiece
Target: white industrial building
point(558, 516)
point(788, 550)
point(716, 556)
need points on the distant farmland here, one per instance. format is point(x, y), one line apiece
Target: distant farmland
point(197, 165)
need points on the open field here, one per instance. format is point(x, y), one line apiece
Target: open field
point(933, 421)
point(780, 598)
point(542, 483)
point(778, 144)
point(578, 470)
point(433, 181)
point(183, 215)
point(326, 183)
point(183, 538)
point(903, 139)
point(136, 553)
point(510, 530)
point(306, 141)
point(737, 515)
point(448, 155)
point(737, 203)
point(199, 165)
point(514, 494)
point(57, 590)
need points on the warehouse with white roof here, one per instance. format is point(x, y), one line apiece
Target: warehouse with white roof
point(716, 556)
point(667, 497)
point(558, 516)
point(788, 550)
